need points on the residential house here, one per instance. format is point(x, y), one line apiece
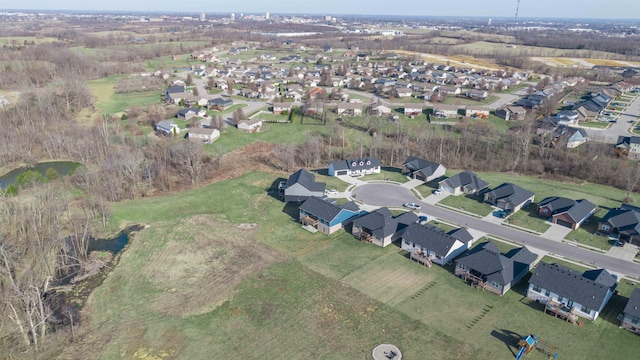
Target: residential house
point(566, 212)
point(568, 117)
point(568, 293)
point(486, 268)
point(631, 313)
point(320, 215)
point(466, 182)
point(301, 186)
point(295, 94)
point(412, 109)
point(403, 92)
point(281, 107)
point(355, 167)
point(476, 112)
point(205, 135)
point(569, 136)
point(513, 113)
point(509, 197)
point(349, 109)
point(422, 169)
point(623, 222)
point(381, 227)
point(187, 114)
point(445, 111)
point(450, 90)
point(477, 94)
point(219, 103)
point(429, 244)
point(168, 127)
point(251, 125)
point(381, 110)
point(629, 147)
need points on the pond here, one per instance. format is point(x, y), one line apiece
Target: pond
point(63, 168)
point(115, 244)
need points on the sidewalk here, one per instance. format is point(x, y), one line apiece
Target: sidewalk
point(412, 183)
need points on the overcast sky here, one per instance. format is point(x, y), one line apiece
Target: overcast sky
point(489, 8)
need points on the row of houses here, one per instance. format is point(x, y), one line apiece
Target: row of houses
point(566, 293)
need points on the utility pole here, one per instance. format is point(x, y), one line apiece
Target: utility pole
point(517, 8)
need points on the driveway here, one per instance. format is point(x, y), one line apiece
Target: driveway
point(393, 195)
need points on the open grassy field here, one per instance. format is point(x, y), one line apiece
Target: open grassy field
point(107, 101)
point(195, 284)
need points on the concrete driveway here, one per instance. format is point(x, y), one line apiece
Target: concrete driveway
point(393, 195)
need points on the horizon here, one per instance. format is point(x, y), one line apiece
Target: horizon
point(496, 9)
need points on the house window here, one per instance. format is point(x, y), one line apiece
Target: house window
point(585, 310)
point(547, 293)
point(605, 227)
point(536, 288)
point(368, 162)
point(361, 163)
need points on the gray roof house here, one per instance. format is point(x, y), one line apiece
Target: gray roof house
point(320, 215)
point(486, 268)
point(381, 227)
point(631, 313)
point(465, 182)
point(355, 167)
point(569, 293)
point(422, 169)
point(302, 185)
point(168, 127)
point(566, 212)
point(509, 197)
point(624, 221)
point(428, 244)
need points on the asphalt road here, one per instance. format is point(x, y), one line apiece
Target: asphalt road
point(393, 195)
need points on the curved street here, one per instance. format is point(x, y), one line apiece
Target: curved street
point(394, 195)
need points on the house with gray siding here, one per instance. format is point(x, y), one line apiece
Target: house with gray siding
point(486, 268)
point(321, 215)
point(381, 227)
point(302, 185)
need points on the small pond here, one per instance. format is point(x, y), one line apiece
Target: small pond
point(63, 168)
point(115, 244)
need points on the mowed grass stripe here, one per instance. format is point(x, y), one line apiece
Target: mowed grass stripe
point(390, 279)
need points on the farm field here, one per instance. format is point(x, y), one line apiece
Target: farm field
point(107, 101)
point(303, 295)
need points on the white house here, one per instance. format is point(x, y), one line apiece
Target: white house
point(205, 135)
point(568, 292)
point(355, 167)
point(168, 127)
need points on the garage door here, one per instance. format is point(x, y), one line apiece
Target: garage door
point(564, 223)
point(341, 172)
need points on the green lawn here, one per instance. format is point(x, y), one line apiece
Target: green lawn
point(473, 205)
point(468, 101)
point(389, 174)
point(595, 124)
point(569, 264)
point(107, 101)
point(585, 234)
point(194, 284)
point(529, 219)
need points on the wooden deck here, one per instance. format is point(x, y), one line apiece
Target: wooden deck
point(473, 280)
point(366, 237)
point(421, 258)
point(561, 311)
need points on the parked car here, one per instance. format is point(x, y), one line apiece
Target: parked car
point(437, 191)
point(613, 121)
point(607, 114)
point(331, 192)
point(412, 206)
point(422, 219)
point(500, 214)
